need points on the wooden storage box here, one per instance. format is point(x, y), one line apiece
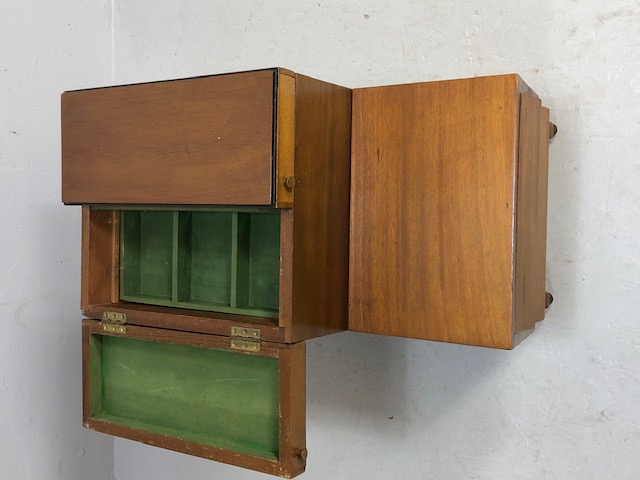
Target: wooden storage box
point(228, 218)
point(215, 217)
point(250, 170)
point(214, 140)
point(448, 210)
point(191, 393)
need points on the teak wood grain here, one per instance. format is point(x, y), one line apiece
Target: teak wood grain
point(285, 140)
point(321, 209)
point(291, 373)
point(206, 140)
point(100, 270)
point(531, 214)
point(314, 131)
point(293, 409)
point(433, 210)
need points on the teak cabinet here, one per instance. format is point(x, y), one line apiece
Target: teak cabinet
point(215, 229)
point(226, 219)
point(185, 170)
point(449, 210)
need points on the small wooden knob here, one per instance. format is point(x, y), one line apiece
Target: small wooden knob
point(548, 299)
point(553, 129)
point(301, 453)
point(289, 183)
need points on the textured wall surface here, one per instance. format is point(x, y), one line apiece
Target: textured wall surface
point(45, 48)
point(566, 403)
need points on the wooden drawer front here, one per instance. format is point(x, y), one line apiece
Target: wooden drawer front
point(246, 409)
point(207, 140)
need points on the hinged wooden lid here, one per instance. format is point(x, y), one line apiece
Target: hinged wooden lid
point(205, 140)
point(193, 393)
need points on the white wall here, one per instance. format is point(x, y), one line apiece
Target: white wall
point(565, 403)
point(45, 48)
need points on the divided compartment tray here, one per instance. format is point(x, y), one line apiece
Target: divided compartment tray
point(190, 393)
point(224, 261)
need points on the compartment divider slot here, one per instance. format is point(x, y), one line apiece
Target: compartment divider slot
point(174, 258)
point(226, 261)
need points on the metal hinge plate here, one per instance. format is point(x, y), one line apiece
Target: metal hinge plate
point(114, 322)
point(246, 339)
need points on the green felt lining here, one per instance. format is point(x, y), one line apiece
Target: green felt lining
point(227, 261)
point(208, 396)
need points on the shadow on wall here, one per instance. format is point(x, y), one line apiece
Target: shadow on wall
point(380, 386)
point(563, 213)
point(42, 335)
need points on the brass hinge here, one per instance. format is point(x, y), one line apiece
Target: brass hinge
point(246, 339)
point(114, 322)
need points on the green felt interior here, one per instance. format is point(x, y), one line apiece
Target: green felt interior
point(147, 254)
point(205, 257)
point(209, 396)
point(263, 259)
point(226, 261)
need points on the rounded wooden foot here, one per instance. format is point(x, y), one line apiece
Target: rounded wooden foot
point(548, 299)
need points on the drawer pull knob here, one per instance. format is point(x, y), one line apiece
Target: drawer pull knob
point(289, 183)
point(302, 453)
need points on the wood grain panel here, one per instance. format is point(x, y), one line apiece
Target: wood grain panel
point(293, 409)
point(432, 210)
point(531, 214)
point(206, 140)
point(86, 373)
point(180, 337)
point(321, 210)
point(214, 323)
point(263, 465)
point(100, 257)
point(285, 313)
point(285, 141)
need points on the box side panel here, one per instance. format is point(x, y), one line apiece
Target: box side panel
point(293, 409)
point(321, 211)
point(432, 210)
point(531, 215)
point(285, 313)
point(205, 140)
point(100, 257)
point(285, 140)
point(197, 321)
point(88, 352)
